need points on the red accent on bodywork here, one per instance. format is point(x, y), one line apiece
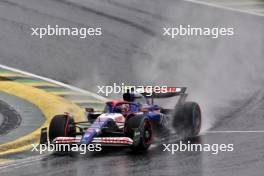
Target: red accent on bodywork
point(67, 124)
point(114, 140)
point(66, 140)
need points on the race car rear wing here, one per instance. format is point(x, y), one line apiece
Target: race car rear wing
point(151, 93)
point(164, 92)
point(167, 93)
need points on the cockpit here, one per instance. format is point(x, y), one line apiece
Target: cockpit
point(121, 107)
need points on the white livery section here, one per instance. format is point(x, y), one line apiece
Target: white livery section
point(104, 141)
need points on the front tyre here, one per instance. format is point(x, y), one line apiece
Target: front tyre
point(139, 129)
point(61, 126)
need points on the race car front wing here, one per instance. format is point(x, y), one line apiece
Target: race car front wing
point(104, 141)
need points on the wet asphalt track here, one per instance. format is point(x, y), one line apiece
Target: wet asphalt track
point(225, 75)
point(10, 119)
point(18, 116)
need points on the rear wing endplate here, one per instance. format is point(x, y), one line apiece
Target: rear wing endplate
point(165, 92)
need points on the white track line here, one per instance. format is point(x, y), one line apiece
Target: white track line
point(55, 82)
point(225, 8)
point(253, 131)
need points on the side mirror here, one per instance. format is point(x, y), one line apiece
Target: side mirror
point(89, 110)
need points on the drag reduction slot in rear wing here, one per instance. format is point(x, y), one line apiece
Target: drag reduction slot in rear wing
point(165, 93)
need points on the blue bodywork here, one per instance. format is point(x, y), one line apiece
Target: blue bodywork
point(94, 130)
point(150, 111)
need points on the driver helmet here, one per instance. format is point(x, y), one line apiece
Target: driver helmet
point(124, 108)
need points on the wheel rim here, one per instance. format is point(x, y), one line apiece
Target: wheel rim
point(147, 133)
point(196, 119)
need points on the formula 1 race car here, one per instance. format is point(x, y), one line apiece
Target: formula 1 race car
point(128, 122)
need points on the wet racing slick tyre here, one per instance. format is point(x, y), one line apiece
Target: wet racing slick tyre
point(61, 126)
point(187, 119)
point(139, 129)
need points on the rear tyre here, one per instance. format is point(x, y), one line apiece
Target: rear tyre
point(187, 119)
point(61, 126)
point(139, 129)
